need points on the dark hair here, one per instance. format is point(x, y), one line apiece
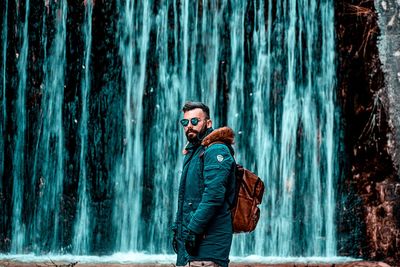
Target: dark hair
point(193, 105)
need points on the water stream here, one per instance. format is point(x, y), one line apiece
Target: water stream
point(82, 227)
point(4, 37)
point(48, 158)
point(18, 173)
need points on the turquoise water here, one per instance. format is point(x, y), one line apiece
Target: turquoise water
point(4, 38)
point(83, 226)
point(18, 227)
point(95, 167)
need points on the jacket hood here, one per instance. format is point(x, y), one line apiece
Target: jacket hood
point(223, 134)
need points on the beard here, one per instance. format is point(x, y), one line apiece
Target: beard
point(194, 136)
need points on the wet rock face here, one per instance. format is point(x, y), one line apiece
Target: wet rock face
point(369, 193)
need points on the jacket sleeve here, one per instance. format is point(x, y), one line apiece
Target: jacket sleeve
point(217, 166)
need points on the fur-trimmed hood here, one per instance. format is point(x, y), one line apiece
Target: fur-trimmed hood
point(223, 134)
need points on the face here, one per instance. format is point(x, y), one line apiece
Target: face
point(193, 131)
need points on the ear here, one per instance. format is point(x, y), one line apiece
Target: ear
point(209, 123)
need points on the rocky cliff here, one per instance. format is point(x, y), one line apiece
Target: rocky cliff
point(368, 49)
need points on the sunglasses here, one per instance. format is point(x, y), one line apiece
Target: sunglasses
point(193, 121)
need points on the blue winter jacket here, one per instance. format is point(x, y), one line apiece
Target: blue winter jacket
point(207, 188)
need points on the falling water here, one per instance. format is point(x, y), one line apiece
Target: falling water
point(82, 229)
point(209, 56)
point(292, 129)
point(266, 68)
point(164, 127)
point(48, 173)
point(134, 31)
point(261, 74)
point(237, 67)
point(4, 35)
point(18, 230)
point(329, 129)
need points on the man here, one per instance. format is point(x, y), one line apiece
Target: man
point(203, 226)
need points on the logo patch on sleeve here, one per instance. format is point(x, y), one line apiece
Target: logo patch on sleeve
point(220, 158)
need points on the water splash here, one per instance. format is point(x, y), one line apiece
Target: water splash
point(82, 230)
point(143, 258)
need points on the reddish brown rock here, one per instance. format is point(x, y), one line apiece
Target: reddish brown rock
point(381, 219)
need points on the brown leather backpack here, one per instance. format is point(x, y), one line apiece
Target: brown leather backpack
point(249, 194)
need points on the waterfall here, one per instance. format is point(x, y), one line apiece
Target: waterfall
point(292, 129)
point(82, 228)
point(48, 175)
point(210, 57)
point(134, 44)
point(18, 230)
point(167, 97)
point(237, 104)
point(97, 143)
point(328, 82)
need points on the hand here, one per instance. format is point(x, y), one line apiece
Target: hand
point(192, 242)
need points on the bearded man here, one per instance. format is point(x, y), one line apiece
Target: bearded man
point(203, 225)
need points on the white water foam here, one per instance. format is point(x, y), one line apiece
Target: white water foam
point(128, 258)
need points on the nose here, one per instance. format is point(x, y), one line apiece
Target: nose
point(190, 125)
